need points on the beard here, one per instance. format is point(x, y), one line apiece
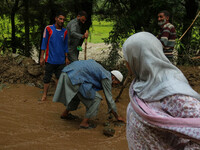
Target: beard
point(61, 25)
point(80, 23)
point(160, 23)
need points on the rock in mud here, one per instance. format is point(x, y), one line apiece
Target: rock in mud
point(28, 62)
point(35, 70)
point(107, 131)
point(106, 124)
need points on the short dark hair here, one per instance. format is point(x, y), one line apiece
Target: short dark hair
point(165, 12)
point(82, 13)
point(60, 13)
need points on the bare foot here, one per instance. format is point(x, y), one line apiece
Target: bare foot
point(85, 123)
point(87, 126)
point(65, 113)
point(44, 98)
point(120, 119)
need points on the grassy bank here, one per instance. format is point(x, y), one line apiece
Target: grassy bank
point(99, 30)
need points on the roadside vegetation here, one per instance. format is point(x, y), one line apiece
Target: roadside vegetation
point(22, 23)
point(99, 31)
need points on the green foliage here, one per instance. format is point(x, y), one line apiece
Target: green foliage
point(5, 28)
point(115, 21)
point(99, 30)
point(195, 38)
point(130, 16)
point(33, 16)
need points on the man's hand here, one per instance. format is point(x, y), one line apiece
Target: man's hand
point(121, 119)
point(67, 62)
point(118, 117)
point(42, 61)
point(85, 35)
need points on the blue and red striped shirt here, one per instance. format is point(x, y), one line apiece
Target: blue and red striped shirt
point(55, 42)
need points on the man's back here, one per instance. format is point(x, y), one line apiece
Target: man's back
point(88, 74)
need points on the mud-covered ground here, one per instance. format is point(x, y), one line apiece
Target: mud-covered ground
point(27, 123)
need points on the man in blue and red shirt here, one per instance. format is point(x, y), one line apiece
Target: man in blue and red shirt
point(55, 42)
point(167, 34)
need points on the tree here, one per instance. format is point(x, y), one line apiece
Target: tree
point(191, 9)
point(130, 16)
point(14, 7)
point(26, 22)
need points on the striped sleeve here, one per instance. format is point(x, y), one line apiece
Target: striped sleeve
point(168, 36)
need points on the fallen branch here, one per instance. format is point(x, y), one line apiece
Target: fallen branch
point(197, 57)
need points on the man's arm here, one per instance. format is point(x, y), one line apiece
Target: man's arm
point(67, 62)
point(44, 45)
point(74, 33)
point(165, 37)
point(42, 61)
point(168, 37)
point(107, 89)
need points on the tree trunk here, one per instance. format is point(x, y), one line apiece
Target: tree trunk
point(26, 22)
point(41, 29)
point(13, 12)
point(13, 32)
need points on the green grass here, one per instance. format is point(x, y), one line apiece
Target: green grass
point(99, 30)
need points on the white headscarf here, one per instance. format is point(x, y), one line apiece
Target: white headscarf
point(156, 77)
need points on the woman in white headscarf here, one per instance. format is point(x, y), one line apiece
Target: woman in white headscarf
point(164, 111)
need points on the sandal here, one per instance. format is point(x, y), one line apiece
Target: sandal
point(91, 126)
point(69, 117)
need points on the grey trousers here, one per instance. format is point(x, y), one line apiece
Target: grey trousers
point(69, 95)
point(92, 106)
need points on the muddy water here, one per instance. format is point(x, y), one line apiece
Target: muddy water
point(26, 123)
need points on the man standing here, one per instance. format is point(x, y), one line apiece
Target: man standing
point(55, 42)
point(79, 82)
point(167, 34)
point(74, 28)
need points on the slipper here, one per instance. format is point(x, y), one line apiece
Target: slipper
point(69, 117)
point(91, 126)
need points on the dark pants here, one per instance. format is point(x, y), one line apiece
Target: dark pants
point(50, 69)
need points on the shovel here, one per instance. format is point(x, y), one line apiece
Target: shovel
point(85, 56)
